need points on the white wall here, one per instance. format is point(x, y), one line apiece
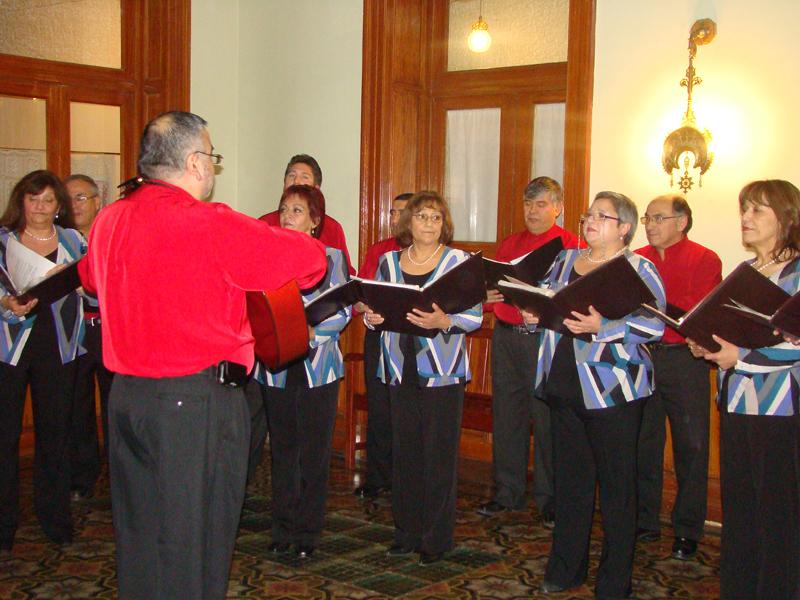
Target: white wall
point(748, 100)
point(277, 78)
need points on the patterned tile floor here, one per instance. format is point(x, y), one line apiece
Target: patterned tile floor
point(499, 558)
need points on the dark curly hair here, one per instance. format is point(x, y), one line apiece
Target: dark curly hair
point(35, 183)
point(783, 198)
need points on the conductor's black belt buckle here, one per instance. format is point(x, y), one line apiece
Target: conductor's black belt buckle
point(230, 374)
point(514, 328)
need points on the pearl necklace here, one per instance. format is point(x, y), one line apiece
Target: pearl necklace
point(42, 239)
point(587, 254)
point(419, 264)
point(766, 264)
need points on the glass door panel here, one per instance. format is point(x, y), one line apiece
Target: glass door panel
point(95, 145)
point(547, 157)
point(23, 140)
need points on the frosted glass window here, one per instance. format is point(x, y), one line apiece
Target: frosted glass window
point(547, 158)
point(87, 32)
point(95, 144)
point(472, 165)
point(23, 141)
point(524, 32)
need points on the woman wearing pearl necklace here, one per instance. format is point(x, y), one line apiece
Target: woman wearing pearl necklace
point(426, 378)
point(39, 349)
point(758, 404)
point(595, 386)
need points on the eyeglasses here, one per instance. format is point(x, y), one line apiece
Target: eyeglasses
point(657, 219)
point(83, 197)
point(597, 217)
point(423, 218)
point(215, 158)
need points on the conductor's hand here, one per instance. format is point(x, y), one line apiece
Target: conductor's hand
point(371, 317)
point(493, 296)
point(727, 356)
point(436, 319)
point(584, 323)
point(529, 318)
point(11, 303)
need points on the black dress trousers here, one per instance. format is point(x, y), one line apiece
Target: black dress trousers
point(379, 417)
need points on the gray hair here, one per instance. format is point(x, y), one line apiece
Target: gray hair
point(85, 179)
point(166, 142)
point(544, 185)
point(626, 210)
point(679, 206)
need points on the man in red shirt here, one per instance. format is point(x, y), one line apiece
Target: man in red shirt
point(170, 272)
point(379, 419)
point(514, 357)
point(689, 272)
point(304, 169)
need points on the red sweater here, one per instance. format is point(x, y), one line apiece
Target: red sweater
point(332, 234)
point(370, 265)
point(170, 272)
point(519, 244)
point(689, 272)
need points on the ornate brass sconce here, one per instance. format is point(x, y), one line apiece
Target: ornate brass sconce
point(688, 138)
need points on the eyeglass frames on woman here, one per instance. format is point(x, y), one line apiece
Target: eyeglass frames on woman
point(215, 158)
point(423, 218)
point(597, 217)
point(657, 219)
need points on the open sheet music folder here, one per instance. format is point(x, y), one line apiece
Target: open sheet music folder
point(714, 313)
point(786, 318)
point(48, 290)
point(529, 268)
point(614, 289)
point(455, 291)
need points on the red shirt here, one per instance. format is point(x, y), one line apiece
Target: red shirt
point(370, 264)
point(332, 234)
point(170, 272)
point(689, 272)
point(519, 244)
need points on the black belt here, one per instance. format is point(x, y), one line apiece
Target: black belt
point(662, 346)
point(515, 328)
point(229, 373)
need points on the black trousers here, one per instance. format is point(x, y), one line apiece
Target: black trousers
point(514, 356)
point(51, 396)
point(178, 461)
point(301, 422)
point(760, 485)
point(682, 395)
point(426, 428)
point(379, 416)
point(258, 426)
point(85, 458)
point(594, 447)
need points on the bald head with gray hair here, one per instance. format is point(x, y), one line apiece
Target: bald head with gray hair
point(166, 142)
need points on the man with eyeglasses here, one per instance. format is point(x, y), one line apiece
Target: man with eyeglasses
point(379, 418)
point(514, 356)
point(170, 272)
point(689, 271)
point(84, 449)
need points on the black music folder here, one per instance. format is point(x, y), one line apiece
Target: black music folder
point(786, 318)
point(457, 290)
point(332, 301)
point(614, 289)
point(716, 314)
point(529, 268)
point(48, 290)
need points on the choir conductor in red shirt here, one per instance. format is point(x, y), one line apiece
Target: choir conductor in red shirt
point(170, 272)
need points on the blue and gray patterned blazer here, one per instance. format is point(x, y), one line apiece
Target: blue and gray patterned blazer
point(67, 312)
point(324, 363)
point(615, 367)
point(765, 381)
point(441, 360)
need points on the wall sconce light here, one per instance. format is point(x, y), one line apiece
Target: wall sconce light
point(479, 39)
point(688, 139)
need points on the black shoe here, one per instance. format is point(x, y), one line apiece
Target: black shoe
point(426, 559)
point(304, 551)
point(647, 535)
point(548, 519)
point(491, 508)
point(399, 550)
point(548, 587)
point(279, 547)
point(80, 494)
point(684, 548)
point(370, 491)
